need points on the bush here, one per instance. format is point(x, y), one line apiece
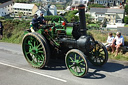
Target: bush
point(14, 29)
point(126, 9)
point(70, 16)
point(126, 19)
point(1, 18)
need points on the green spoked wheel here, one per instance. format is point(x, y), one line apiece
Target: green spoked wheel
point(76, 63)
point(35, 50)
point(99, 55)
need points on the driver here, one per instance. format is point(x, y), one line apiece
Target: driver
point(41, 19)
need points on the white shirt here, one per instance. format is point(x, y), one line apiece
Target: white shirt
point(119, 40)
point(110, 39)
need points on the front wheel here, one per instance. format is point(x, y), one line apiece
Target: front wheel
point(76, 62)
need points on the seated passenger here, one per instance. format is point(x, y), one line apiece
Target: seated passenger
point(41, 19)
point(119, 39)
point(35, 22)
point(109, 41)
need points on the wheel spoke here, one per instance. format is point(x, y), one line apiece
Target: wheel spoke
point(75, 56)
point(79, 57)
point(28, 53)
point(81, 61)
point(34, 43)
point(41, 51)
point(76, 69)
point(82, 64)
point(40, 48)
point(80, 68)
point(38, 45)
point(101, 50)
point(70, 66)
point(71, 59)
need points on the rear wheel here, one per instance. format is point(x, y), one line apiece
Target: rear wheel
point(76, 63)
point(35, 50)
point(99, 55)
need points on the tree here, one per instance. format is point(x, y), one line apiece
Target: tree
point(127, 1)
point(126, 9)
point(126, 19)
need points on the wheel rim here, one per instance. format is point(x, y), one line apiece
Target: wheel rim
point(76, 64)
point(34, 51)
point(98, 56)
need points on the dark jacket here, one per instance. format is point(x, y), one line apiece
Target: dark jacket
point(35, 23)
point(41, 19)
point(1, 26)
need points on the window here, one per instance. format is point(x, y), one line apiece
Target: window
point(76, 2)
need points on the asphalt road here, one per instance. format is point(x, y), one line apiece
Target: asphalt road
point(14, 70)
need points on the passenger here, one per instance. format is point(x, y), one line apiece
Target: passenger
point(35, 22)
point(117, 43)
point(41, 19)
point(109, 40)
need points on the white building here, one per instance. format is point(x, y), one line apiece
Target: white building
point(6, 8)
point(25, 9)
point(48, 10)
point(49, 1)
point(109, 2)
point(53, 10)
point(75, 3)
point(109, 15)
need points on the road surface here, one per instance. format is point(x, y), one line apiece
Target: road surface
point(14, 70)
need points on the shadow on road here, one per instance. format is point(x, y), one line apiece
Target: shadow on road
point(108, 67)
point(59, 64)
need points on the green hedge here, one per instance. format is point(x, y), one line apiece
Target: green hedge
point(95, 5)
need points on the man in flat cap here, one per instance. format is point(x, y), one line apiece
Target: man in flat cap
point(41, 19)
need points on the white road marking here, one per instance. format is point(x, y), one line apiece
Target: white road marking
point(34, 72)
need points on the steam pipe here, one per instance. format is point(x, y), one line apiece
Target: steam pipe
point(81, 9)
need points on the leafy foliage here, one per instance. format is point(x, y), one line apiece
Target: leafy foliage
point(70, 16)
point(14, 29)
point(126, 9)
point(126, 19)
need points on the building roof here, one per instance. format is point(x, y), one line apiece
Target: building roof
point(5, 4)
point(23, 6)
point(3, 1)
point(106, 10)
